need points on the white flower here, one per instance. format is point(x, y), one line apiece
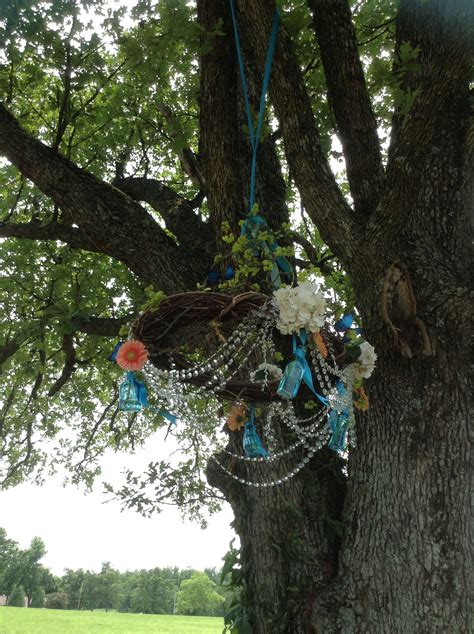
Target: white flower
point(365, 364)
point(302, 307)
point(266, 372)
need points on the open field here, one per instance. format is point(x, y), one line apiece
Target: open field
point(37, 621)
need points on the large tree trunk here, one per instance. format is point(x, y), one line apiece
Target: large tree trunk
point(283, 531)
point(403, 566)
point(403, 563)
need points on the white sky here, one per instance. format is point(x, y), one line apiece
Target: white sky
point(81, 531)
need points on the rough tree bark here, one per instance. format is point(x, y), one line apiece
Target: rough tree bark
point(404, 562)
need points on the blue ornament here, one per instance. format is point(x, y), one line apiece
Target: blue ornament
point(252, 444)
point(291, 380)
point(132, 394)
point(229, 273)
point(344, 323)
point(338, 422)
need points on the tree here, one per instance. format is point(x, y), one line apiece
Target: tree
point(197, 596)
point(72, 583)
point(30, 571)
point(57, 601)
point(17, 597)
point(93, 133)
point(8, 555)
point(108, 580)
point(39, 598)
point(153, 592)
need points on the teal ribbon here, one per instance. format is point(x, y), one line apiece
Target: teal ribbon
point(299, 350)
point(254, 134)
point(254, 224)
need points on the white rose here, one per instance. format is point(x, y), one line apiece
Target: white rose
point(365, 364)
point(271, 372)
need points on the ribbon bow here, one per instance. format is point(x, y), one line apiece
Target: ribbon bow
point(299, 350)
point(140, 389)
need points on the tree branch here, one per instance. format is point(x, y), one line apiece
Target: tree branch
point(101, 326)
point(187, 158)
point(53, 231)
point(312, 254)
point(177, 212)
point(320, 194)
point(96, 207)
point(350, 102)
point(69, 364)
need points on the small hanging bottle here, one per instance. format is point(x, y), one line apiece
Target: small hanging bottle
point(291, 380)
point(251, 443)
point(129, 394)
point(338, 423)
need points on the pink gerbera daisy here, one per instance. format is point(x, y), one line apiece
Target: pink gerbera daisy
point(132, 355)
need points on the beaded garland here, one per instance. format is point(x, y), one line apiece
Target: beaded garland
point(174, 391)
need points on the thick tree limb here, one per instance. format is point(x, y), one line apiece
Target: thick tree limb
point(320, 194)
point(96, 208)
point(54, 231)
point(443, 34)
point(177, 212)
point(350, 102)
point(102, 326)
point(219, 103)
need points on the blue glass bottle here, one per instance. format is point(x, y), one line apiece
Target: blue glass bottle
point(129, 394)
point(252, 444)
point(338, 424)
point(291, 380)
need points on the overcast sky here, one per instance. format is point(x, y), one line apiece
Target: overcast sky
point(80, 531)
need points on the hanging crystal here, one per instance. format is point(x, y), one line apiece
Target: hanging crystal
point(291, 380)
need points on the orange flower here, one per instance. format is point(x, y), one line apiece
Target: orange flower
point(132, 355)
point(236, 418)
point(320, 345)
point(361, 400)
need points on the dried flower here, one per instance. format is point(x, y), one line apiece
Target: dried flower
point(361, 400)
point(132, 355)
point(320, 344)
point(236, 418)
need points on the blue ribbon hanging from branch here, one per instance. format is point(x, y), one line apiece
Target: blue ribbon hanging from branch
point(254, 224)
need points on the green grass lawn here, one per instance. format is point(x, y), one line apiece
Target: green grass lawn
point(37, 621)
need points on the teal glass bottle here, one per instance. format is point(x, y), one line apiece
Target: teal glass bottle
point(291, 380)
point(129, 394)
point(252, 444)
point(338, 424)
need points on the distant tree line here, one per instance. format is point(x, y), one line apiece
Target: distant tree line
point(25, 581)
